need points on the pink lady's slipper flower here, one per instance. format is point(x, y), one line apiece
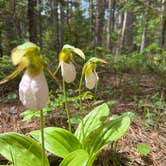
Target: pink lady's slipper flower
point(89, 69)
point(65, 62)
point(33, 88)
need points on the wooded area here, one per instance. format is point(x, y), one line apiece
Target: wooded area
point(83, 82)
point(120, 26)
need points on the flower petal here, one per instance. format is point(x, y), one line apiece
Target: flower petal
point(33, 91)
point(68, 71)
point(91, 79)
point(14, 74)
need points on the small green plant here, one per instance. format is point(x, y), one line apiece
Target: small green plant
point(10, 96)
point(153, 109)
point(143, 148)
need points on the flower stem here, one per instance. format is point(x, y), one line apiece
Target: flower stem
point(66, 105)
point(81, 108)
point(42, 136)
point(80, 88)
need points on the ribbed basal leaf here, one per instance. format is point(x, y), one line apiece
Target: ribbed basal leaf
point(58, 141)
point(21, 150)
point(110, 131)
point(92, 121)
point(77, 158)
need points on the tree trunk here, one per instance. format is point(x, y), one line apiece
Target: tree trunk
point(110, 24)
point(144, 35)
point(162, 39)
point(32, 21)
point(91, 16)
point(1, 49)
point(99, 21)
point(61, 23)
point(113, 14)
point(40, 24)
point(68, 15)
point(10, 35)
point(127, 31)
point(55, 23)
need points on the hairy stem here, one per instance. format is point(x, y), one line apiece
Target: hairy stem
point(81, 108)
point(66, 105)
point(42, 136)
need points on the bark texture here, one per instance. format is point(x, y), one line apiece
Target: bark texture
point(99, 21)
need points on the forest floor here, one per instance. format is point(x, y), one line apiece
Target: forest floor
point(123, 89)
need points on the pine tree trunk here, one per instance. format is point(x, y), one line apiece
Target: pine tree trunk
point(91, 16)
point(127, 31)
point(1, 49)
point(32, 21)
point(110, 24)
point(99, 21)
point(61, 23)
point(162, 39)
point(55, 23)
point(40, 23)
point(144, 35)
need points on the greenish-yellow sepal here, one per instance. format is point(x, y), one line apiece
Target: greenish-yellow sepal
point(74, 50)
point(65, 56)
point(23, 50)
point(17, 55)
point(96, 60)
point(91, 65)
point(88, 68)
point(35, 64)
point(28, 45)
point(14, 74)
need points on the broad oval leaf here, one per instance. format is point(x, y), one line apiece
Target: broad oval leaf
point(21, 150)
point(77, 158)
point(108, 132)
point(92, 121)
point(58, 141)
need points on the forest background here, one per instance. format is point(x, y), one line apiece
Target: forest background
point(129, 34)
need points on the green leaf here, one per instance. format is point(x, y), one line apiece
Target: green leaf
point(58, 141)
point(92, 121)
point(75, 119)
point(107, 133)
point(77, 158)
point(29, 114)
point(10, 96)
point(111, 102)
point(131, 115)
point(21, 150)
point(143, 148)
